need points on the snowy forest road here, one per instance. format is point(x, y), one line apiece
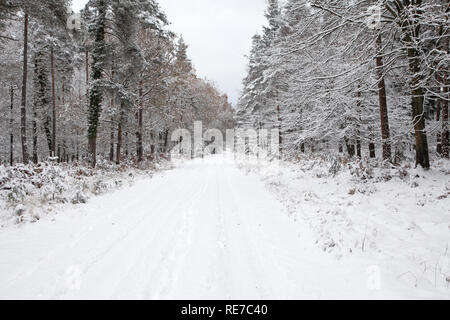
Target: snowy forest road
point(204, 230)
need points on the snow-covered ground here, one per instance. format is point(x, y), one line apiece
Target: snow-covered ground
point(217, 228)
point(30, 192)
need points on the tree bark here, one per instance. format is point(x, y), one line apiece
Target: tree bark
point(411, 31)
point(280, 139)
point(11, 123)
point(152, 146)
point(358, 139)
point(444, 77)
point(140, 147)
point(126, 144)
point(120, 133)
point(119, 142)
point(35, 137)
point(445, 132)
point(384, 117)
point(358, 149)
point(111, 146)
point(52, 72)
point(372, 150)
point(438, 117)
point(166, 140)
point(87, 71)
point(23, 117)
point(112, 104)
point(422, 156)
point(350, 148)
point(95, 93)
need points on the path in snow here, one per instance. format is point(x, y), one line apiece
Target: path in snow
point(204, 230)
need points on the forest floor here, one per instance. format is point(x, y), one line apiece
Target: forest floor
point(217, 228)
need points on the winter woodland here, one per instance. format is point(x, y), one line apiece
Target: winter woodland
point(354, 203)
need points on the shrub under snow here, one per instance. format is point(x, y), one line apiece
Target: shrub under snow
point(396, 215)
point(29, 191)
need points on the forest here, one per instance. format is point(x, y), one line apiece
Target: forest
point(111, 82)
point(362, 78)
point(333, 181)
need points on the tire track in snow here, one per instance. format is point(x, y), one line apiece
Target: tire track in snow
point(173, 261)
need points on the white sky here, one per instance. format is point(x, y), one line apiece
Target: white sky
point(218, 33)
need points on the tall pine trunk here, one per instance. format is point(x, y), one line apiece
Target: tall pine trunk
point(11, 123)
point(112, 103)
point(119, 140)
point(411, 30)
point(384, 117)
point(350, 147)
point(126, 144)
point(438, 116)
point(111, 144)
point(52, 71)
point(87, 70)
point(23, 116)
point(445, 93)
point(35, 137)
point(422, 156)
point(120, 133)
point(358, 139)
point(140, 147)
point(280, 137)
point(445, 132)
point(95, 93)
point(372, 151)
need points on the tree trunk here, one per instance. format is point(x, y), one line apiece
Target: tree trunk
point(422, 156)
point(358, 149)
point(95, 93)
point(444, 77)
point(126, 144)
point(35, 137)
point(64, 152)
point(350, 148)
point(119, 142)
point(411, 30)
point(152, 146)
point(23, 117)
point(385, 129)
point(166, 140)
point(372, 150)
point(280, 139)
point(52, 72)
point(358, 139)
point(438, 118)
point(111, 146)
point(11, 123)
point(445, 132)
point(87, 71)
point(120, 133)
point(140, 147)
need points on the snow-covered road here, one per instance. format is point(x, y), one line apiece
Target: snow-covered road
point(204, 230)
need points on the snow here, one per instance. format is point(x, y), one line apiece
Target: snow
point(216, 228)
point(29, 192)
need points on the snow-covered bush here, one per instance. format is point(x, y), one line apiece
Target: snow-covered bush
point(28, 191)
point(397, 214)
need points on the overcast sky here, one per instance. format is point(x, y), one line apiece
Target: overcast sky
point(218, 33)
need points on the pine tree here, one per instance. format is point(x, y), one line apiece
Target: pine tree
point(41, 96)
point(95, 92)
